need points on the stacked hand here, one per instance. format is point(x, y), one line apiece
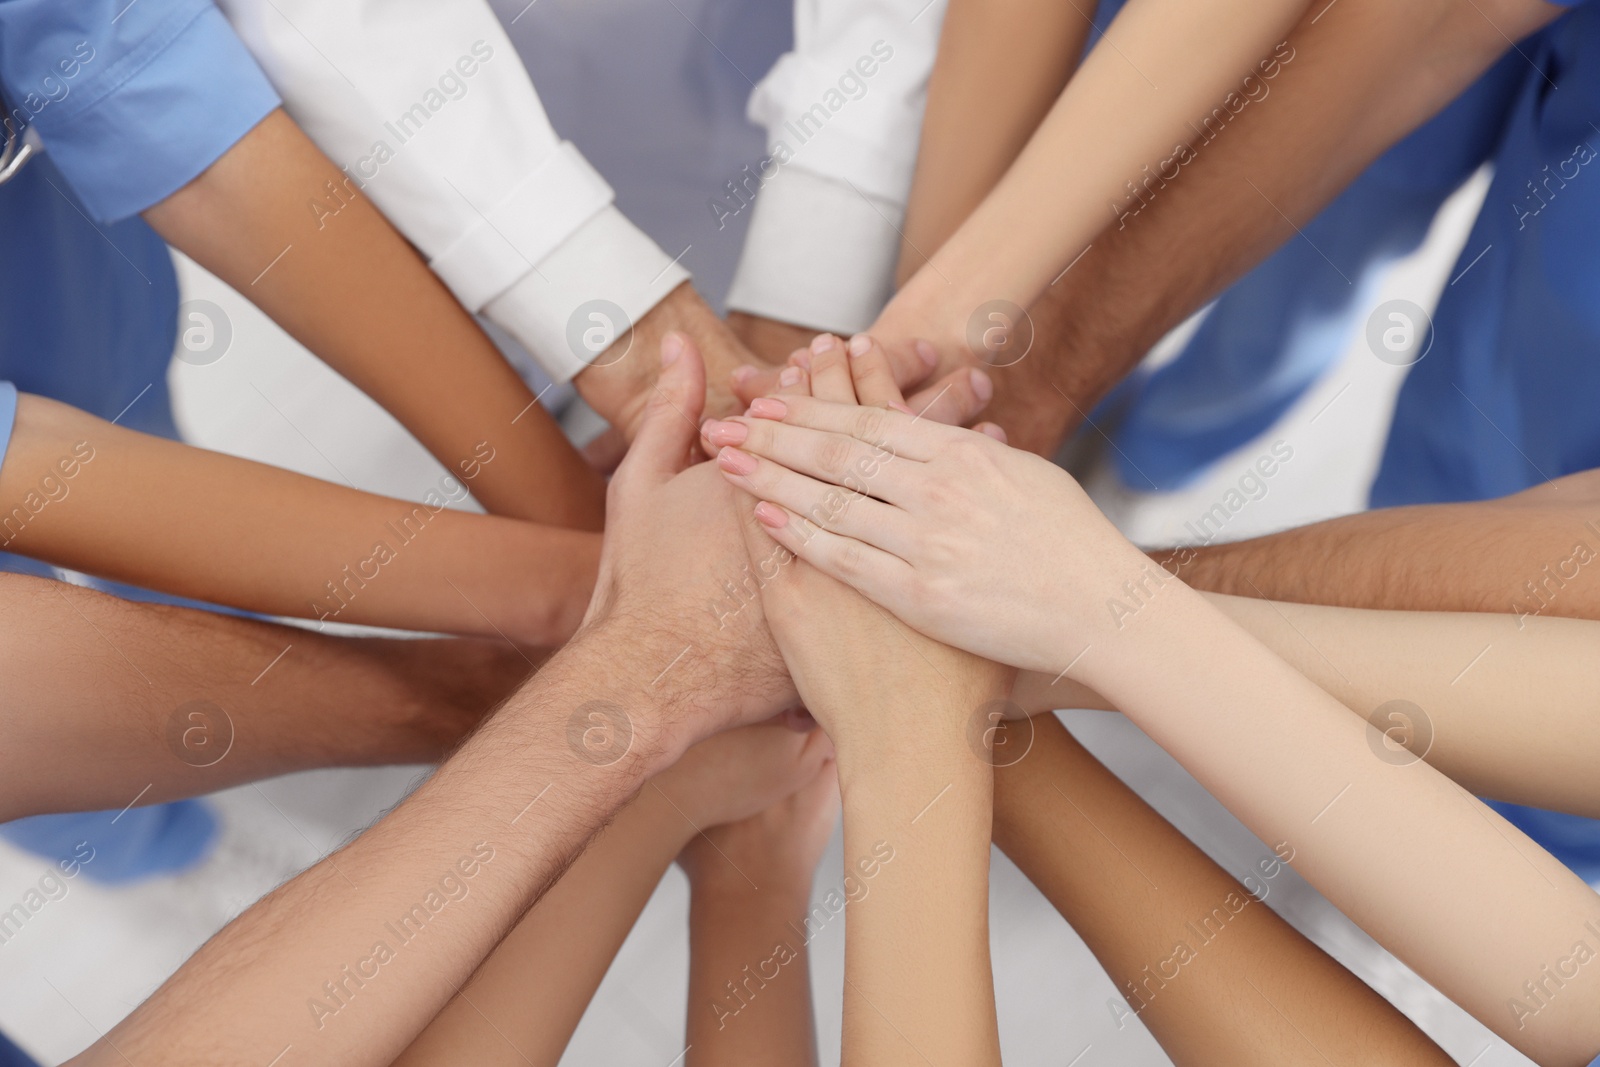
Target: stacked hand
point(853, 664)
point(937, 524)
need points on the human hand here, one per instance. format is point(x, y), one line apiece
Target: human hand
point(741, 772)
point(980, 545)
point(777, 847)
point(662, 610)
point(620, 382)
point(954, 396)
point(844, 653)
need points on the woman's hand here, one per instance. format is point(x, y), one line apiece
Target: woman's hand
point(778, 847)
point(981, 546)
point(740, 773)
point(854, 666)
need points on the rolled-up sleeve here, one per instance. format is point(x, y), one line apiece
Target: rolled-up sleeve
point(843, 114)
point(428, 108)
point(131, 100)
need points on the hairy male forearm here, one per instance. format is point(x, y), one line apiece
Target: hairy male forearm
point(346, 963)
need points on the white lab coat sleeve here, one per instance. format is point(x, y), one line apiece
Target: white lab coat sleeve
point(427, 107)
point(843, 114)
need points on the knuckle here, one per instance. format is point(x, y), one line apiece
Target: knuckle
point(869, 424)
point(833, 455)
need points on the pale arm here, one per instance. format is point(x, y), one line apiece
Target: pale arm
point(1158, 72)
point(1364, 74)
point(527, 998)
point(1504, 706)
point(1248, 989)
point(749, 927)
point(201, 524)
point(977, 121)
point(275, 219)
point(347, 962)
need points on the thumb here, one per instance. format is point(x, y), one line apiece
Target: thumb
point(670, 427)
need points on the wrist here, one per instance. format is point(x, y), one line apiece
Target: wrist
point(618, 383)
point(723, 888)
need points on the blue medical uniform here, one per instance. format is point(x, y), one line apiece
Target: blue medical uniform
point(1508, 394)
point(132, 101)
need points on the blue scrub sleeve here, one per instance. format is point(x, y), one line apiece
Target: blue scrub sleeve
point(8, 417)
point(132, 100)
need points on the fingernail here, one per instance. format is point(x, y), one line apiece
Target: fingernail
point(765, 407)
point(726, 433)
point(671, 349)
point(981, 385)
point(900, 406)
point(743, 373)
point(801, 358)
point(771, 515)
point(860, 345)
point(790, 376)
point(927, 353)
point(822, 342)
point(735, 462)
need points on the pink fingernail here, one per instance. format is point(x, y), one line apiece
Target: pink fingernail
point(899, 406)
point(735, 462)
point(743, 373)
point(790, 377)
point(823, 342)
point(860, 345)
point(726, 433)
point(765, 407)
point(671, 349)
point(771, 515)
point(981, 385)
point(927, 353)
point(801, 357)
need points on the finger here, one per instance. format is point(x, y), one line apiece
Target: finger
point(671, 418)
point(912, 362)
point(793, 381)
point(847, 511)
point(873, 376)
point(870, 571)
point(837, 459)
point(994, 430)
point(902, 433)
point(956, 399)
point(750, 381)
point(830, 370)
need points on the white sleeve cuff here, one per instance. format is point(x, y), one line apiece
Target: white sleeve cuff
point(545, 209)
point(818, 254)
point(578, 297)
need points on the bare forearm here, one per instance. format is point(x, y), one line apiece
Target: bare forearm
point(522, 1005)
point(1364, 74)
point(1504, 706)
point(1494, 556)
point(621, 382)
point(96, 676)
point(1297, 768)
point(201, 524)
point(917, 974)
point(346, 963)
point(275, 219)
point(1214, 974)
point(975, 122)
point(749, 979)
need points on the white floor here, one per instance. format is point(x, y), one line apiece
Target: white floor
point(88, 958)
